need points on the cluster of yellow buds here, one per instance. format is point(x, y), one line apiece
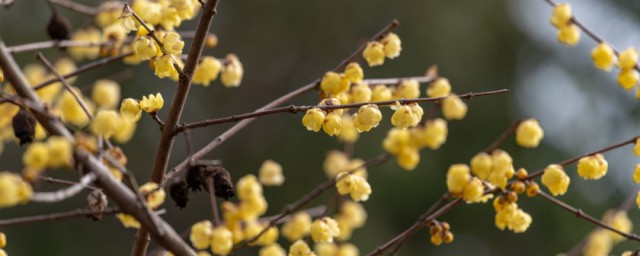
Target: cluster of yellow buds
point(601, 241)
point(270, 173)
point(440, 233)
point(495, 168)
point(460, 183)
point(89, 35)
point(297, 227)
point(324, 230)
point(131, 109)
point(154, 196)
point(332, 249)
point(376, 51)
point(508, 215)
point(54, 153)
point(13, 190)
point(405, 144)
point(330, 120)
point(354, 185)
point(219, 239)
point(529, 133)
point(628, 62)
point(561, 18)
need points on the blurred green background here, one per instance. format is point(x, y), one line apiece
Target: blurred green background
point(478, 45)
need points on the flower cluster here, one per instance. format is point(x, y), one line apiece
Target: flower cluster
point(354, 185)
point(377, 51)
point(568, 32)
point(219, 239)
point(440, 233)
point(13, 190)
point(460, 183)
point(509, 216)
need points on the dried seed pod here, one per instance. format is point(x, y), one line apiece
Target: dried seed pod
point(59, 27)
point(179, 192)
point(24, 126)
point(98, 202)
point(195, 179)
point(222, 185)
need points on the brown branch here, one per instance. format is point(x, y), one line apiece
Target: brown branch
point(496, 143)
point(65, 182)
point(126, 199)
point(212, 200)
point(77, 7)
point(285, 98)
point(590, 32)
point(575, 159)
point(580, 214)
point(78, 213)
point(55, 44)
point(156, 118)
point(296, 109)
point(66, 193)
point(66, 84)
point(306, 198)
point(167, 137)
point(421, 223)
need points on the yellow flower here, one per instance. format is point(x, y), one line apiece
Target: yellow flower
point(453, 108)
point(520, 222)
point(248, 187)
point(313, 119)
point(598, 243)
point(592, 167)
point(408, 158)
point(130, 108)
point(59, 151)
point(127, 21)
point(36, 156)
point(128, 221)
point(232, 71)
point(13, 190)
point(396, 141)
point(145, 47)
point(345, 183)
point(3, 240)
point(163, 66)
point(70, 109)
point(474, 191)
point(89, 34)
point(172, 43)
point(326, 249)
point(114, 33)
point(271, 173)
point(561, 15)
point(407, 89)
point(154, 195)
point(361, 93)
point(374, 54)
point(105, 123)
point(254, 228)
point(502, 168)
point(354, 72)
point(126, 131)
point(335, 162)
point(361, 190)
point(353, 214)
point(200, 235)
point(434, 133)
point(618, 220)
point(636, 147)
point(404, 117)
point(439, 88)
point(532, 189)
point(334, 83)
point(628, 78)
point(207, 70)
point(1, 76)
point(300, 248)
point(628, 58)
point(367, 117)
point(458, 176)
point(348, 132)
point(152, 104)
point(221, 240)
point(106, 93)
point(297, 227)
point(324, 230)
point(603, 56)
point(482, 165)
point(380, 93)
point(555, 179)
point(272, 250)
point(529, 133)
point(569, 35)
point(636, 174)
point(392, 45)
point(332, 123)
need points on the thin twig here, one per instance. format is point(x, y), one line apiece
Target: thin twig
point(580, 214)
point(496, 143)
point(574, 159)
point(77, 7)
point(277, 102)
point(212, 200)
point(296, 109)
point(415, 227)
point(306, 198)
point(66, 84)
point(66, 193)
point(54, 44)
point(65, 182)
point(79, 213)
point(156, 118)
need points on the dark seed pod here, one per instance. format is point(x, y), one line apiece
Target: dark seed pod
point(195, 178)
point(98, 202)
point(24, 126)
point(222, 185)
point(179, 192)
point(59, 27)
